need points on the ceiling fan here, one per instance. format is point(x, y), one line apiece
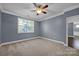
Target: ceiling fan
point(39, 9)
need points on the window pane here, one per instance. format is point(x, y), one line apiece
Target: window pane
point(25, 26)
point(30, 26)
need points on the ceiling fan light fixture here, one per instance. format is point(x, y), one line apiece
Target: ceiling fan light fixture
point(39, 11)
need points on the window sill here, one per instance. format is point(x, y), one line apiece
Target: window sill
point(26, 33)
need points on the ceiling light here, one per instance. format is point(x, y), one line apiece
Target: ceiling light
point(77, 26)
point(39, 10)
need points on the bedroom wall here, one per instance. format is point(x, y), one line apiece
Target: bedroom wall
point(54, 28)
point(70, 29)
point(0, 26)
point(9, 29)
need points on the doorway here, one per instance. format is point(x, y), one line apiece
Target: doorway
point(72, 31)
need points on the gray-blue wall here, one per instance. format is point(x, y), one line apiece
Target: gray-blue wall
point(70, 29)
point(0, 27)
point(54, 28)
point(9, 29)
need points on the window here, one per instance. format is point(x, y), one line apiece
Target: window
point(77, 26)
point(25, 26)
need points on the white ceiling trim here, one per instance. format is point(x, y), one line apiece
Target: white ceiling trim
point(16, 14)
point(12, 13)
point(53, 16)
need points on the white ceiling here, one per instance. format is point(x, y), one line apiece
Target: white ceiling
point(24, 9)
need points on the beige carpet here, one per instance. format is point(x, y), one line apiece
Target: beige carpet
point(37, 47)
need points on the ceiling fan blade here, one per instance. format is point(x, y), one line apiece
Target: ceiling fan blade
point(39, 6)
point(45, 6)
point(35, 4)
point(37, 14)
point(33, 10)
point(44, 12)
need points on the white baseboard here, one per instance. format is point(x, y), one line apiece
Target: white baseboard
point(31, 39)
point(54, 40)
point(18, 41)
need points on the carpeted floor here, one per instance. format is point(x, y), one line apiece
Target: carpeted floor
point(37, 47)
